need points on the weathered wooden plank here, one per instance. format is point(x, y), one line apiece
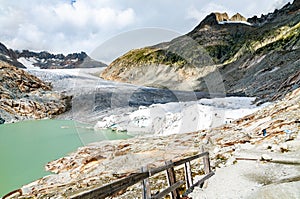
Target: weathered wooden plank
point(207, 169)
point(206, 162)
point(177, 163)
point(172, 180)
point(123, 184)
point(168, 190)
point(180, 162)
point(160, 169)
point(203, 179)
point(146, 192)
point(188, 175)
point(190, 190)
point(115, 187)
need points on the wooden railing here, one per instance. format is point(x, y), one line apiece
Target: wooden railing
point(145, 174)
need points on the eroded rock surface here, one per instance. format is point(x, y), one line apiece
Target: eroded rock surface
point(24, 96)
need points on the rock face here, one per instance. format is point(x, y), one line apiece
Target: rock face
point(238, 17)
point(221, 16)
point(46, 60)
point(222, 54)
point(24, 96)
point(9, 56)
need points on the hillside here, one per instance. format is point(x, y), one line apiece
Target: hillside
point(258, 57)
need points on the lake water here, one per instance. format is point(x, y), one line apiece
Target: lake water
point(25, 147)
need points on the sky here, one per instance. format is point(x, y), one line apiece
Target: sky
point(65, 26)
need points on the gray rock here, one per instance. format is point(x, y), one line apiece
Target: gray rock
point(2, 121)
point(266, 157)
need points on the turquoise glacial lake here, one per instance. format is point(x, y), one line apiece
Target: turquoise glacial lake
point(26, 147)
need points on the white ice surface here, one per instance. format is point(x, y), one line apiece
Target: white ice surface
point(180, 117)
point(157, 119)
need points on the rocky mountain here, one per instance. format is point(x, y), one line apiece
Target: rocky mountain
point(258, 57)
point(24, 96)
point(9, 56)
point(46, 60)
point(223, 17)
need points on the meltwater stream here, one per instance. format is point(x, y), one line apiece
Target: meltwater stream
point(26, 147)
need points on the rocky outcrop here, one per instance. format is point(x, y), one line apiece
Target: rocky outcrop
point(238, 17)
point(24, 96)
point(46, 60)
point(9, 56)
point(288, 9)
point(221, 16)
point(221, 55)
point(216, 18)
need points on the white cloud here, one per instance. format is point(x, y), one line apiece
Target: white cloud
point(194, 13)
point(279, 4)
point(58, 26)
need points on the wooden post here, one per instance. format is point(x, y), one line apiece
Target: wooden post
point(146, 192)
point(188, 175)
point(207, 169)
point(172, 180)
point(206, 162)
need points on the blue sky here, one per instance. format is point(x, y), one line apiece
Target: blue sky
point(62, 26)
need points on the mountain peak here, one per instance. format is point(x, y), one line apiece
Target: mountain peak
point(238, 17)
point(217, 18)
point(220, 17)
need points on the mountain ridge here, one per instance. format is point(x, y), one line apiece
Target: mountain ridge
point(46, 60)
point(235, 50)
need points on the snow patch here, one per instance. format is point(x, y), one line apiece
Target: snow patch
point(7, 57)
point(180, 117)
point(74, 60)
point(28, 62)
point(235, 22)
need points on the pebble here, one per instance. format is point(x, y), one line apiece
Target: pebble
point(266, 157)
point(284, 147)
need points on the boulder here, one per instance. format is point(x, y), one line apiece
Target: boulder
point(2, 121)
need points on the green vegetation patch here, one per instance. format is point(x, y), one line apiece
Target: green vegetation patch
point(150, 56)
